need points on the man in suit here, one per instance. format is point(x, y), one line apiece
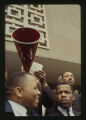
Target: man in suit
point(64, 98)
point(46, 97)
point(68, 77)
point(22, 93)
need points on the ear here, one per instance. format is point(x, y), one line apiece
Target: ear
point(19, 92)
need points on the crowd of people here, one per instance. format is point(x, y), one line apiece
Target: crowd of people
point(30, 95)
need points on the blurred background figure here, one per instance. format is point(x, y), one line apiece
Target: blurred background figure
point(76, 92)
point(77, 100)
point(68, 78)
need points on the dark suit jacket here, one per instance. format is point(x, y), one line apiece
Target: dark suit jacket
point(77, 103)
point(55, 112)
point(9, 111)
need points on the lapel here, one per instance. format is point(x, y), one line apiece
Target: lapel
point(57, 112)
point(8, 108)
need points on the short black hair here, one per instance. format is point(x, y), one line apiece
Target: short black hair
point(64, 83)
point(15, 80)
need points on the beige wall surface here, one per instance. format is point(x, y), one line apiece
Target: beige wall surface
point(64, 32)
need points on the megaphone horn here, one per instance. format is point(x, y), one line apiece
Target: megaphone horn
point(26, 42)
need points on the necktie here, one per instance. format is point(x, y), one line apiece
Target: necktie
point(68, 112)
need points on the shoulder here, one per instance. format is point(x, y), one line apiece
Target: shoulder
point(77, 113)
point(50, 112)
point(53, 112)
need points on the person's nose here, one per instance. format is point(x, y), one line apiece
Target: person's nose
point(70, 77)
point(63, 94)
point(38, 92)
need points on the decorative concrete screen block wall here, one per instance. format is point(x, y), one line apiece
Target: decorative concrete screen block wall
point(26, 16)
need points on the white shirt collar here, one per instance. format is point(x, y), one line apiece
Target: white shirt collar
point(18, 109)
point(71, 111)
point(64, 112)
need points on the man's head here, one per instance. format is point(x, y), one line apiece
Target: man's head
point(64, 96)
point(22, 88)
point(76, 91)
point(68, 78)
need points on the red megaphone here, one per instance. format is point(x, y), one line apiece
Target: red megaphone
point(26, 42)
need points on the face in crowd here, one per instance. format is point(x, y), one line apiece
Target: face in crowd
point(68, 78)
point(30, 92)
point(24, 92)
point(64, 96)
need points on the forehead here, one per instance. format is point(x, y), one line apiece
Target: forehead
point(63, 88)
point(68, 73)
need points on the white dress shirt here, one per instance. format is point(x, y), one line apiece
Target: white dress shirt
point(43, 110)
point(64, 112)
point(18, 109)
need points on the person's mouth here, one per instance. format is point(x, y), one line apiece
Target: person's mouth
point(64, 101)
point(70, 81)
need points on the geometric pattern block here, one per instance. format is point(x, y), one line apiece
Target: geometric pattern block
point(26, 15)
